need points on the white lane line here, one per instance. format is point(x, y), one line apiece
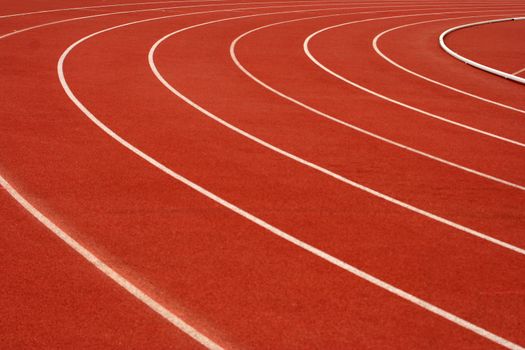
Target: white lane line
point(84, 252)
point(474, 63)
point(308, 163)
point(351, 126)
point(375, 44)
point(519, 71)
point(93, 259)
point(186, 1)
point(309, 3)
point(317, 252)
point(89, 256)
point(108, 271)
point(386, 98)
point(102, 6)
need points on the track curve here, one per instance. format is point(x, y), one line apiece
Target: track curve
point(223, 274)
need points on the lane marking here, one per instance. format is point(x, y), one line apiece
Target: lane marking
point(349, 125)
point(308, 163)
point(474, 63)
point(108, 271)
point(84, 252)
point(292, 3)
point(375, 44)
point(519, 71)
point(317, 252)
point(98, 263)
point(224, 2)
point(102, 6)
point(386, 98)
point(311, 3)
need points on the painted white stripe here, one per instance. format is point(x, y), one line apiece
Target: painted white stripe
point(386, 98)
point(223, 3)
point(474, 63)
point(93, 259)
point(317, 252)
point(519, 71)
point(375, 44)
point(309, 4)
point(310, 164)
point(108, 271)
point(124, 283)
point(351, 126)
point(102, 6)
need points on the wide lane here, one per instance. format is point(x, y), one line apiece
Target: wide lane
point(130, 100)
point(227, 277)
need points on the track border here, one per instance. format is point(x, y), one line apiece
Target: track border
point(475, 64)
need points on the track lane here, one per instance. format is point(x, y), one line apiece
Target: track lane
point(332, 150)
point(82, 5)
point(53, 299)
point(26, 21)
point(434, 344)
point(92, 104)
point(414, 41)
point(376, 44)
point(29, 23)
point(94, 181)
point(423, 112)
point(408, 89)
point(500, 48)
point(319, 113)
point(367, 112)
point(67, 6)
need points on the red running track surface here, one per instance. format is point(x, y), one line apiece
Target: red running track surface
point(496, 45)
point(229, 276)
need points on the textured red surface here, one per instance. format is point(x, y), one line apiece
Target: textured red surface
point(417, 48)
point(232, 280)
point(53, 299)
point(496, 45)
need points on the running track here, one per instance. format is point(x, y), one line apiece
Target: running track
point(501, 37)
point(256, 174)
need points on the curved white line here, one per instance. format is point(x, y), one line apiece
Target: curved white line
point(317, 252)
point(310, 164)
point(375, 44)
point(386, 98)
point(351, 126)
point(108, 271)
point(101, 6)
point(454, 54)
point(519, 71)
point(309, 3)
point(128, 286)
point(185, 1)
point(86, 253)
